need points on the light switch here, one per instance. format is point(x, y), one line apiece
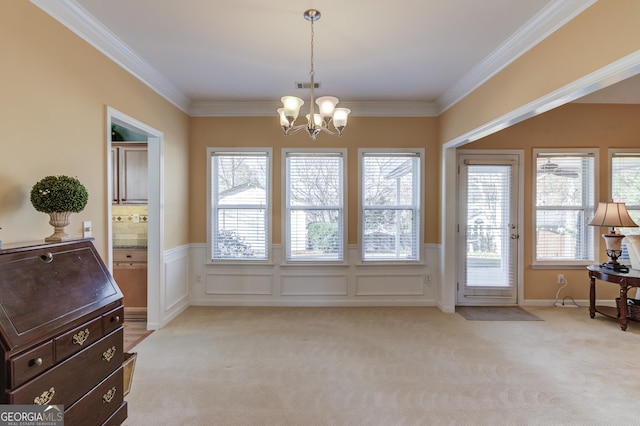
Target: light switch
point(87, 229)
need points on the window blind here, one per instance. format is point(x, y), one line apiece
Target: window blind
point(239, 183)
point(565, 198)
point(314, 206)
point(390, 206)
point(625, 185)
point(489, 259)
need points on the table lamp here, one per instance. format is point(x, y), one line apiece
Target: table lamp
point(613, 215)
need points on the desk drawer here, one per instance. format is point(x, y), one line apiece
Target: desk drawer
point(112, 320)
point(117, 418)
point(68, 381)
point(31, 363)
point(77, 339)
point(97, 405)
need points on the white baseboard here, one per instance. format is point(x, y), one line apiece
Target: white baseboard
point(579, 302)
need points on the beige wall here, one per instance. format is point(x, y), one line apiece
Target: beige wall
point(570, 126)
point(602, 34)
point(361, 133)
point(54, 90)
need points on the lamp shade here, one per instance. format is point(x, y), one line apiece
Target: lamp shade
point(327, 104)
point(283, 118)
point(340, 116)
point(612, 215)
point(317, 120)
point(291, 106)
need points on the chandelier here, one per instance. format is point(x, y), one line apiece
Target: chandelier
point(327, 112)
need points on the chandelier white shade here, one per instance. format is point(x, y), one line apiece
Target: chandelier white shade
point(327, 114)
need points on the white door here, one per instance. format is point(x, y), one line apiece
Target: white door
point(488, 229)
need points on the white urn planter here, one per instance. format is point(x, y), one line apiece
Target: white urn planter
point(59, 221)
point(59, 196)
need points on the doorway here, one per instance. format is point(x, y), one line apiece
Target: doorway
point(488, 246)
point(129, 220)
point(155, 214)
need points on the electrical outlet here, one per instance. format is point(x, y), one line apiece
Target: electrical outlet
point(560, 279)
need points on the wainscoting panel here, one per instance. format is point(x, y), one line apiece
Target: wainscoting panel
point(313, 285)
point(240, 283)
point(390, 285)
point(175, 297)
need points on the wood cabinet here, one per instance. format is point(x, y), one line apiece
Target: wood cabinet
point(61, 332)
point(130, 272)
point(130, 182)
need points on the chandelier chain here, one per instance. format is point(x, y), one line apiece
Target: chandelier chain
point(312, 72)
point(312, 77)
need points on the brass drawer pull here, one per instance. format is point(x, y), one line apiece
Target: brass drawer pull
point(45, 398)
point(109, 353)
point(47, 257)
point(107, 397)
point(115, 318)
point(80, 337)
point(35, 362)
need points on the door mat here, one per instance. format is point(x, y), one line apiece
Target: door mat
point(495, 313)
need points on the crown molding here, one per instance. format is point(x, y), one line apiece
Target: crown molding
point(393, 109)
point(73, 16)
point(77, 19)
point(268, 109)
point(543, 24)
point(615, 72)
point(233, 108)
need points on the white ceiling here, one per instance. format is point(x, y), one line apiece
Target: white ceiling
point(212, 57)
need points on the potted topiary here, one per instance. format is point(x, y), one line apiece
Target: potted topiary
point(59, 196)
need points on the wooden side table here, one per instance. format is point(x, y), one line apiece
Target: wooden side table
point(624, 280)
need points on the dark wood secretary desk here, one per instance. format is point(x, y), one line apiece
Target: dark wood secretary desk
point(625, 280)
point(61, 331)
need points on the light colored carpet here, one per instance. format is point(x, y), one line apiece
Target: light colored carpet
point(496, 313)
point(385, 366)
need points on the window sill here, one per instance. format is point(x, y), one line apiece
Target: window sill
point(388, 263)
point(239, 263)
point(563, 265)
point(307, 264)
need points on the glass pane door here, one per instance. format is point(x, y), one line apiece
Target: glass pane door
point(488, 230)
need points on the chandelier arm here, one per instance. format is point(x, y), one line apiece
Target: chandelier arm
point(329, 131)
point(295, 129)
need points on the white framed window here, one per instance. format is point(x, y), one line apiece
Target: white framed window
point(625, 183)
point(314, 204)
point(239, 200)
point(391, 204)
point(564, 202)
